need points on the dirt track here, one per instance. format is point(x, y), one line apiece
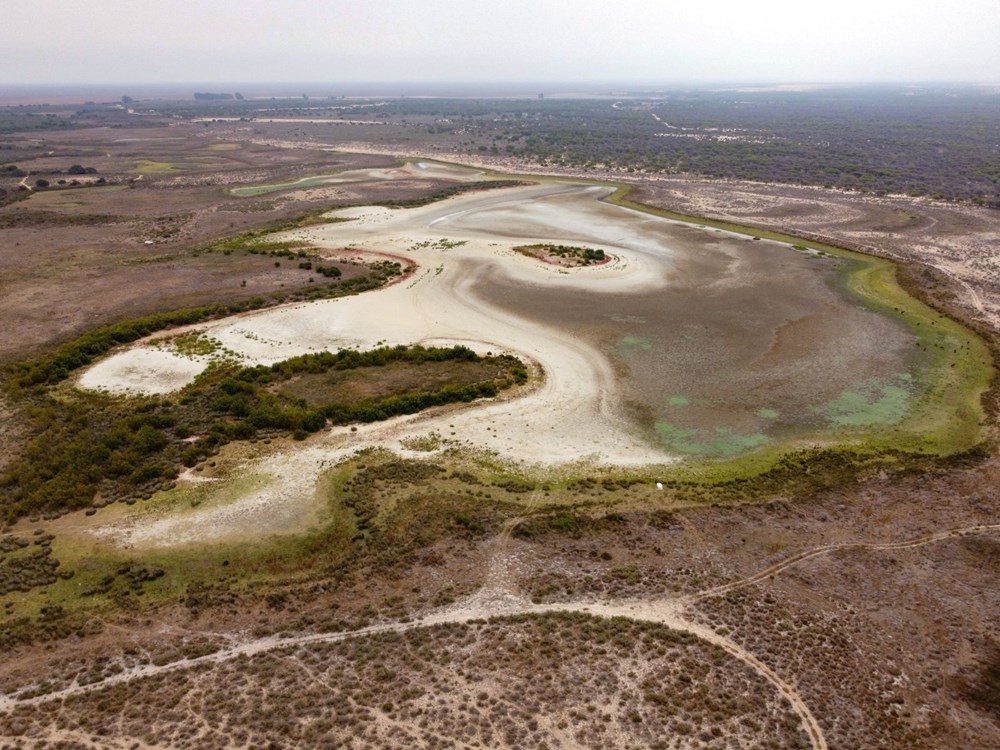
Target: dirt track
point(499, 597)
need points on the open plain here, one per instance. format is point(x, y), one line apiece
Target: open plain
point(723, 511)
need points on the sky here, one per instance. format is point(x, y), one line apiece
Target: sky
point(656, 41)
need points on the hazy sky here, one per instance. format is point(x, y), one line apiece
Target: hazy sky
point(111, 41)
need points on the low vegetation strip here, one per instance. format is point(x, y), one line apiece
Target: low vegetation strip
point(450, 192)
point(80, 352)
point(93, 445)
point(85, 349)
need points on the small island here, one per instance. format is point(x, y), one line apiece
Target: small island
point(566, 256)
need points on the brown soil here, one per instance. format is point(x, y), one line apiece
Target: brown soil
point(73, 259)
point(374, 383)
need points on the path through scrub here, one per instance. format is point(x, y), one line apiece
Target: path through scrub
point(500, 597)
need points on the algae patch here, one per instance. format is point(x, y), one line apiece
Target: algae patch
point(717, 442)
point(632, 343)
point(874, 403)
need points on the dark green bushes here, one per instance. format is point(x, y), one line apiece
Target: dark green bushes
point(96, 445)
point(328, 271)
point(244, 395)
point(82, 351)
point(410, 403)
point(581, 256)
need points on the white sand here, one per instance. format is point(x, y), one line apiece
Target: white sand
point(143, 370)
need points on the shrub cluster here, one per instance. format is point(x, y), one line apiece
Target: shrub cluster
point(125, 449)
point(448, 192)
point(28, 570)
point(331, 272)
point(581, 256)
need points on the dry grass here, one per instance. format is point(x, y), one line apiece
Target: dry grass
point(347, 386)
point(527, 682)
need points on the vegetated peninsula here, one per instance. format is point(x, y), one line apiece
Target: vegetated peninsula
point(555, 438)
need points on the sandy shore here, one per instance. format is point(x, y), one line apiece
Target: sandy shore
point(143, 370)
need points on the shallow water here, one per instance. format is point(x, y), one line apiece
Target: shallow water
point(745, 342)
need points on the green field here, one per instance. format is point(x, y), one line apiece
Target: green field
point(305, 182)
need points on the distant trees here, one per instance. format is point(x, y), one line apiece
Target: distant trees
point(941, 144)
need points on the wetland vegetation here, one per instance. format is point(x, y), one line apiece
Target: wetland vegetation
point(92, 445)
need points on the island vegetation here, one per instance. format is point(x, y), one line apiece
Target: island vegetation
point(563, 255)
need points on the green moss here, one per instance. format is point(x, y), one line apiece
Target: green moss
point(719, 442)
point(873, 404)
point(145, 166)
